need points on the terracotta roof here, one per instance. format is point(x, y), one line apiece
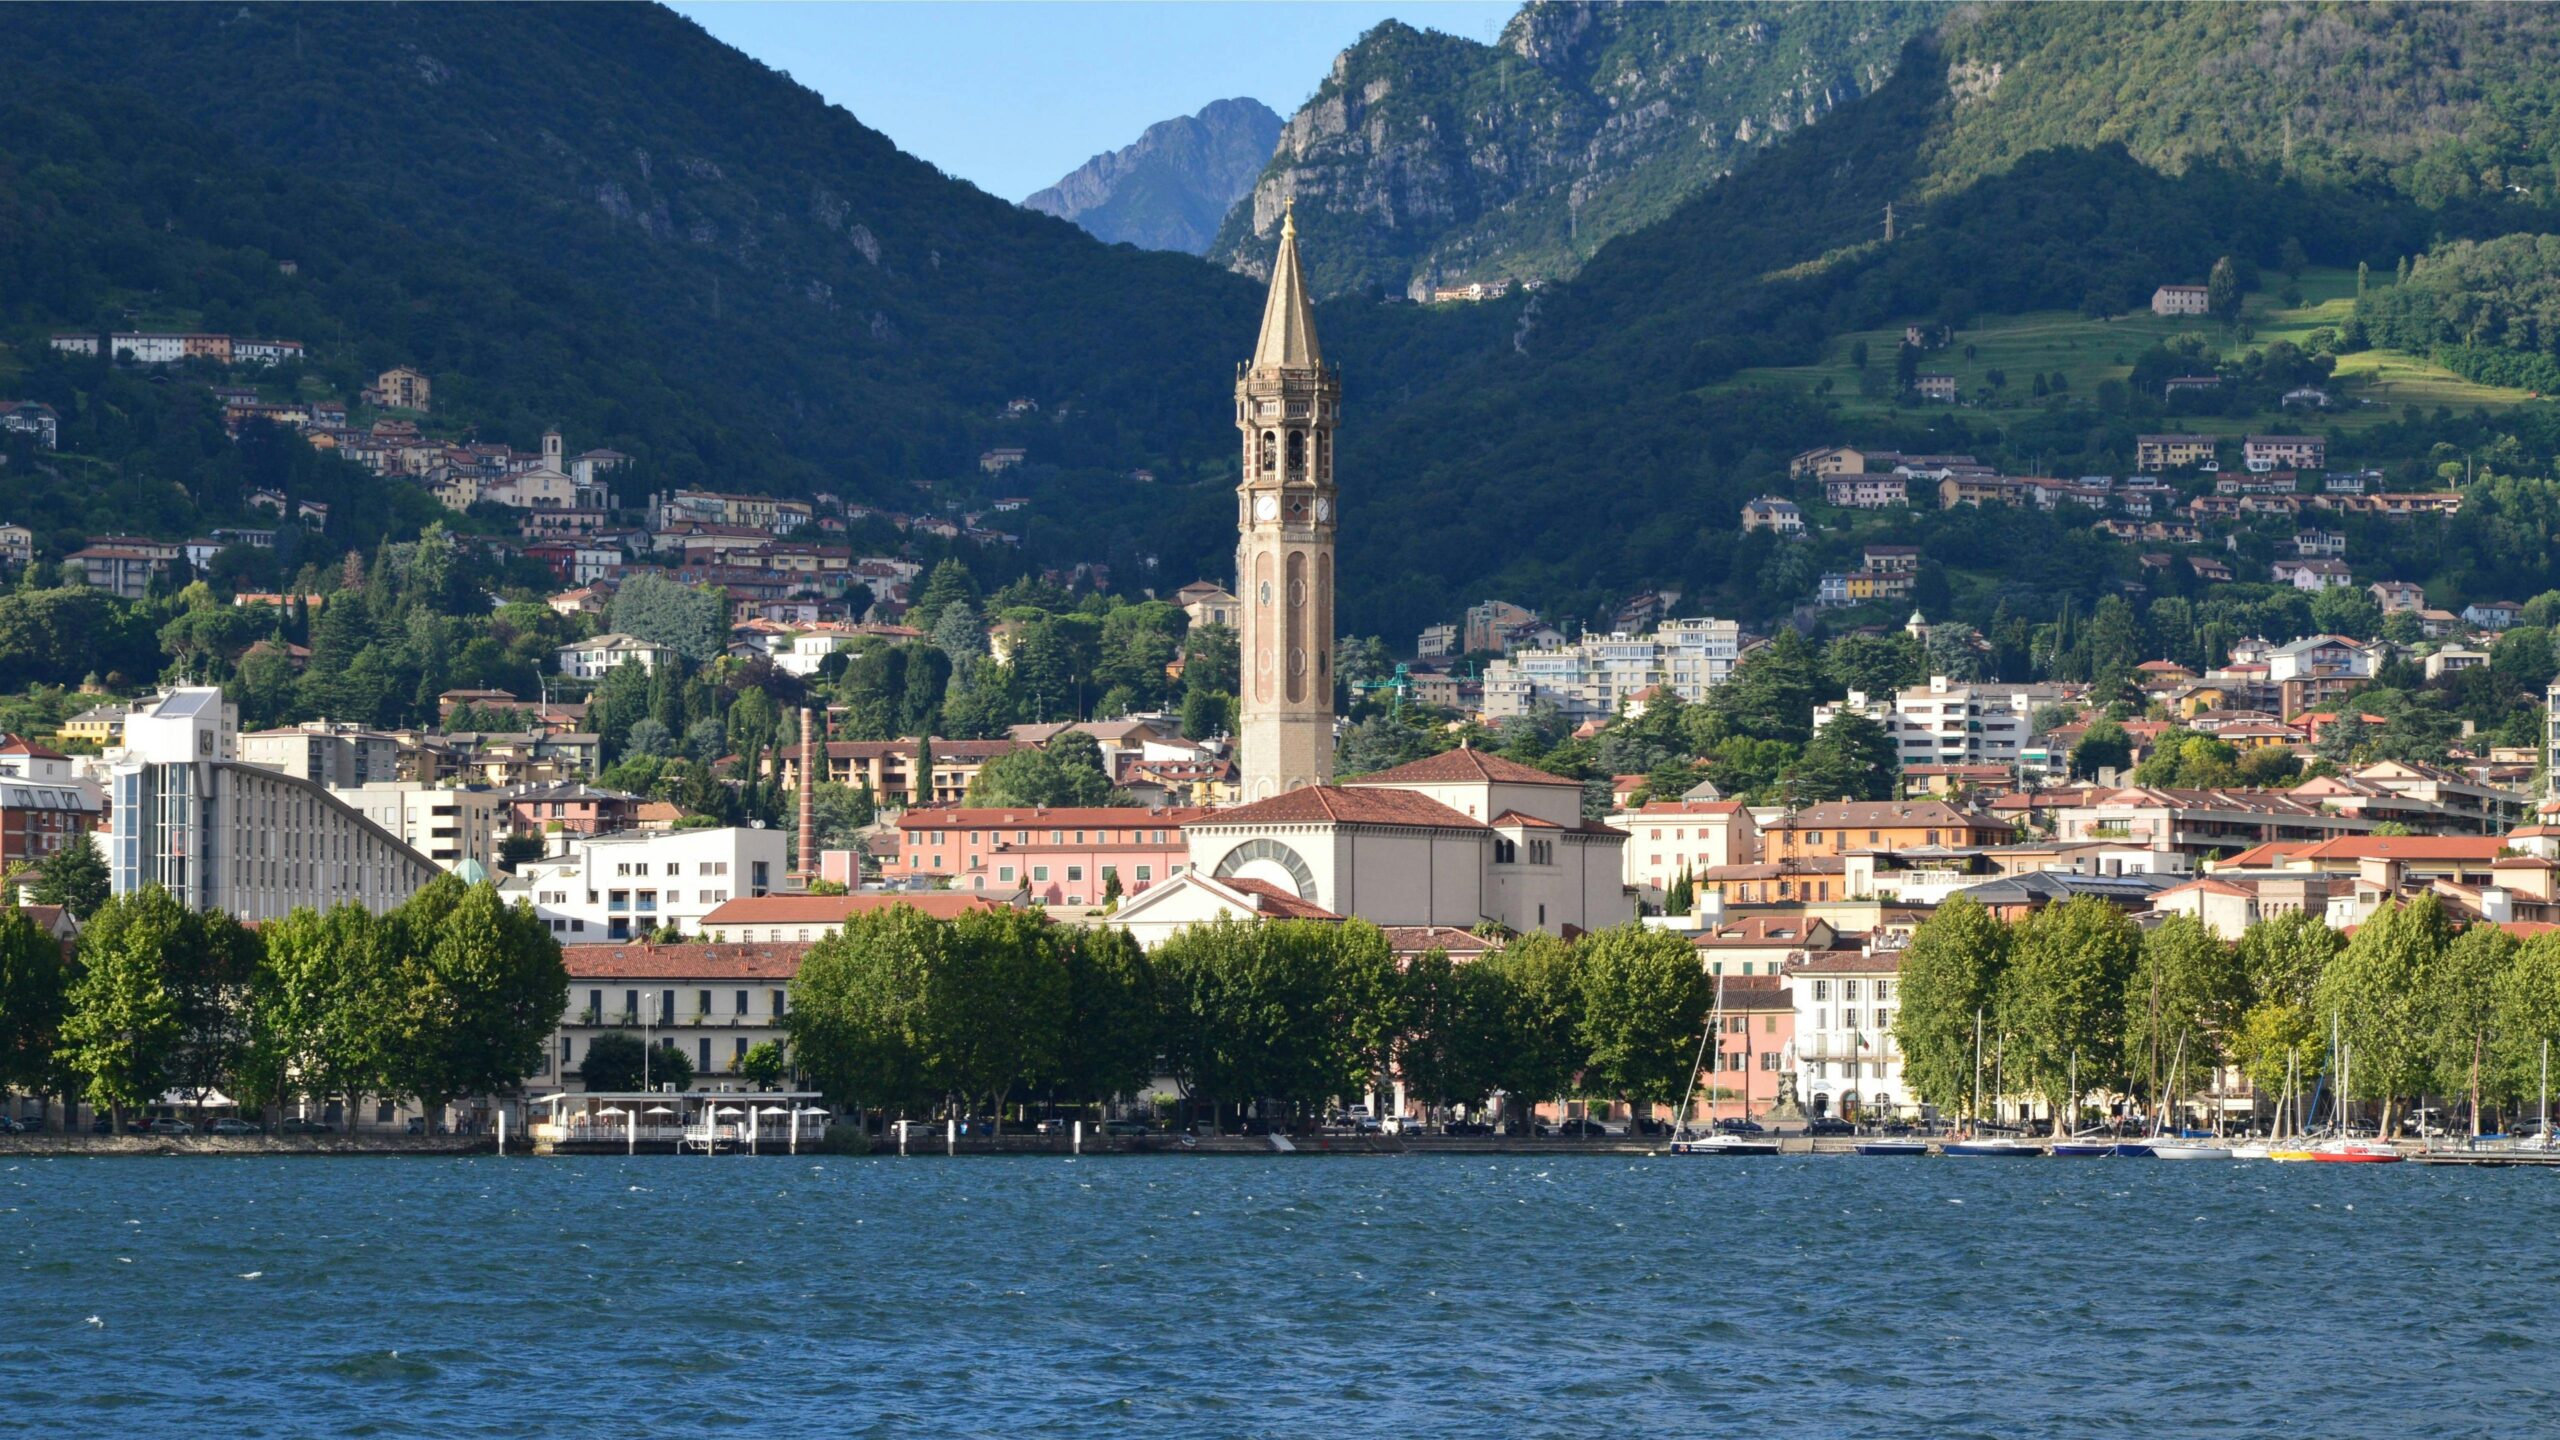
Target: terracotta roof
point(1013, 817)
point(1759, 930)
point(2404, 847)
point(1421, 939)
point(644, 961)
point(1332, 804)
point(1844, 962)
point(1275, 902)
point(1463, 766)
point(1689, 807)
point(836, 909)
point(1514, 817)
point(1885, 814)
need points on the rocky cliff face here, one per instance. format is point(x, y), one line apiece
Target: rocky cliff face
point(1428, 160)
point(1170, 189)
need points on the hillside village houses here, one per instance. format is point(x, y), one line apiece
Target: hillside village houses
point(2177, 300)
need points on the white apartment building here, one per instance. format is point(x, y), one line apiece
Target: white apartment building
point(1944, 723)
point(631, 884)
point(336, 755)
point(596, 658)
point(1593, 676)
point(1846, 1059)
point(218, 834)
point(446, 823)
point(713, 1002)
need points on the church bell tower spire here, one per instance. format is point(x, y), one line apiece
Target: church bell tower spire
point(1287, 405)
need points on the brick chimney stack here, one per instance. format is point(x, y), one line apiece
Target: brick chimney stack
point(809, 778)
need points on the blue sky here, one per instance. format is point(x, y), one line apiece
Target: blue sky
point(1012, 95)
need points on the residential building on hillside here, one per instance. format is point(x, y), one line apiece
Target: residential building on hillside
point(1436, 642)
point(2262, 453)
point(2314, 575)
point(400, 388)
point(1456, 839)
point(2308, 673)
point(1598, 673)
point(337, 755)
point(1498, 627)
point(219, 834)
point(2172, 452)
point(449, 824)
point(1936, 386)
point(1948, 723)
point(1051, 856)
point(31, 417)
point(1861, 491)
point(2395, 596)
point(594, 659)
point(1670, 838)
point(1209, 604)
point(1769, 512)
point(1838, 827)
point(120, 565)
point(2202, 823)
point(569, 808)
point(635, 883)
point(2181, 300)
point(887, 768)
point(2492, 614)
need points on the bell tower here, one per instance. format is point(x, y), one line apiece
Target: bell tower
point(1287, 404)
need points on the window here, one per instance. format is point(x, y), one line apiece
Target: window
point(739, 1054)
point(1848, 989)
point(1039, 872)
point(1146, 873)
point(780, 997)
point(1821, 989)
point(1075, 872)
point(1884, 989)
point(742, 1002)
point(1004, 872)
point(1813, 837)
point(705, 1067)
point(703, 1002)
point(666, 1007)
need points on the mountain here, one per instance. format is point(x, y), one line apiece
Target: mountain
point(1427, 158)
point(1169, 190)
point(597, 216)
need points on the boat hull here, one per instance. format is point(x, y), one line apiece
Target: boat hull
point(2084, 1150)
point(2189, 1152)
point(1894, 1147)
point(1736, 1147)
point(1991, 1150)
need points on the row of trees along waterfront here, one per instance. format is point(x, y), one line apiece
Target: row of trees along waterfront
point(2425, 1007)
point(901, 1012)
point(453, 994)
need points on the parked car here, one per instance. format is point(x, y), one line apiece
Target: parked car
point(1126, 1126)
point(1648, 1126)
point(1827, 1125)
point(1466, 1127)
point(301, 1125)
point(230, 1125)
point(1741, 1125)
point(172, 1127)
point(1578, 1129)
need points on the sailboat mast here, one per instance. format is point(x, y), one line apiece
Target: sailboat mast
point(1977, 1070)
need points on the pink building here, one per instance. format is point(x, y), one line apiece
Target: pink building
point(1058, 856)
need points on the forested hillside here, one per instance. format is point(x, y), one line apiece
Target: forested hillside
point(594, 215)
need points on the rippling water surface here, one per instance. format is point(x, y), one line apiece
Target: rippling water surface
point(1480, 1296)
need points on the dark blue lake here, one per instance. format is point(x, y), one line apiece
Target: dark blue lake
point(1481, 1296)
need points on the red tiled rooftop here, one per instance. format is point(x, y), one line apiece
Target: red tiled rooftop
point(1463, 766)
point(1334, 805)
point(836, 909)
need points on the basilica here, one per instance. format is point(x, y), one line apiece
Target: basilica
point(1458, 840)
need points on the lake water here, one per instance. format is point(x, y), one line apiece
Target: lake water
point(1479, 1296)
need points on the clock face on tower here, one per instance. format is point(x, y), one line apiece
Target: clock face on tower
point(1324, 509)
point(1266, 507)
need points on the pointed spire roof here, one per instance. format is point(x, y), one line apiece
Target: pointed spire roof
point(1288, 320)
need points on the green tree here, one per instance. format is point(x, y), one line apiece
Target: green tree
point(2377, 988)
point(2281, 961)
point(1066, 771)
point(483, 987)
point(2526, 1018)
point(122, 1027)
point(691, 620)
point(994, 998)
point(326, 994)
point(1456, 1031)
point(1644, 1007)
point(2222, 290)
point(766, 1065)
point(2462, 1011)
point(2188, 996)
point(1537, 979)
point(73, 877)
point(1106, 1045)
point(1852, 758)
point(33, 984)
point(1951, 973)
point(1681, 896)
point(2063, 994)
point(948, 583)
point(853, 1019)
point(2103, 746)
point(620, 1062)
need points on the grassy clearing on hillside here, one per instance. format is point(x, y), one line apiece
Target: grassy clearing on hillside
point(2086, 352)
